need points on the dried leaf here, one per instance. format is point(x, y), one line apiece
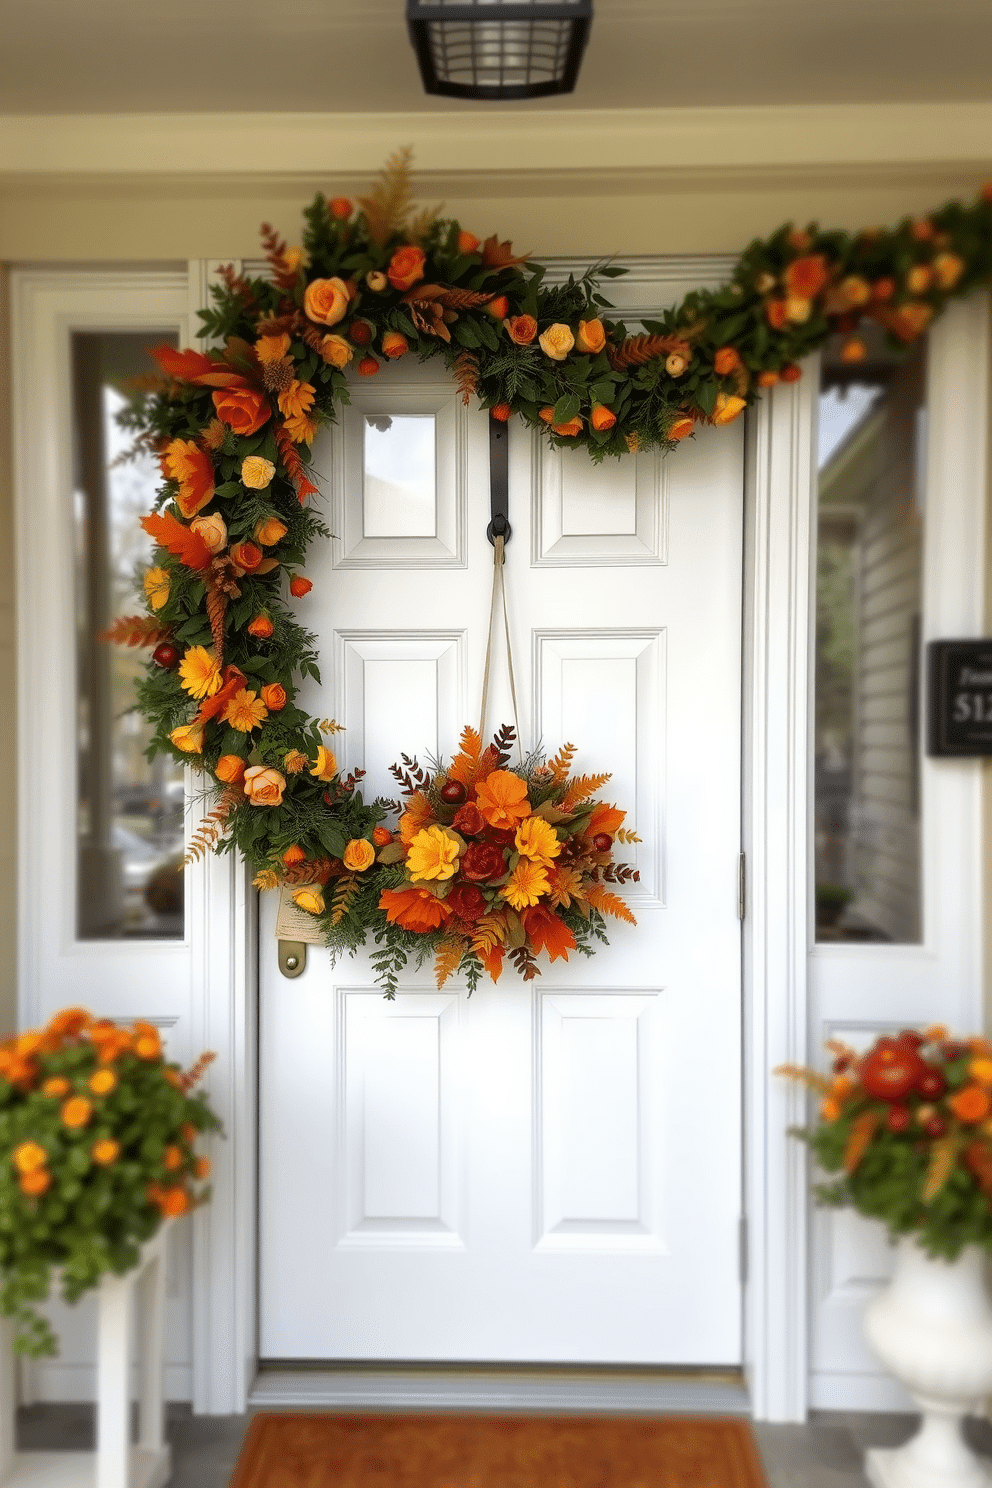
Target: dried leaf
point(464, 299)
point(390, 198)
point(135, 630)
point(942, 1158)
point(562, 762)
point(213, 825)
point(466, 370)
point(488, 933)
point(581, 788)
point(497, 255)
point(290, 457)
point(184, 544)
point(344, 892)
point(608, 903)
point(637, 350)
point(978, 1161)
point(182, 365)
point(859, 1138)
point(447, 959)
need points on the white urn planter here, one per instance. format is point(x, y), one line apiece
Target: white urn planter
point(932, 1328)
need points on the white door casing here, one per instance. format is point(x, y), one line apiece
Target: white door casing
point(776, 596)
point(547, 1172)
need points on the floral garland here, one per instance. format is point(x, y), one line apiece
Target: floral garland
point(97, 1134)
point(373, 282)
point(907, 1126)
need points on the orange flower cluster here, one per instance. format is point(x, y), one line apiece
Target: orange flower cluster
point(499, 862)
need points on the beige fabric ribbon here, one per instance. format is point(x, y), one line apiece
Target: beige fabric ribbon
point(499, 596)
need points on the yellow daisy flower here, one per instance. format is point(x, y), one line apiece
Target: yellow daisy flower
point(526, 884)
point(200, 673)
point(537, 839)
point(245, 711)
point(157, 586)
point(433, 854)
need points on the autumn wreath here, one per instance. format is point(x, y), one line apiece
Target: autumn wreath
point(376, 281)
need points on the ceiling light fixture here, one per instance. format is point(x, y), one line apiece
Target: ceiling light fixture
point(499, 49)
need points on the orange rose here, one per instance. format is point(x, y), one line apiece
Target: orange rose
point(336, 351)
point(188, 737)
point(326, 301)
point(242, 409)
point(269, 531)
point(264, 785)
point(468, 242)
point(299, 586)
point(602, 417)
point(294, 854)
point(591, 336)
point(231, 769)
point(247, 556)
point(261, 627)
point(274, 696)
point(358, 855)
point(726, 361)
point(406, 266)
point(805, 277)
point(394, 344)
point(340, 207)
point(521, 329)
point(257, 472)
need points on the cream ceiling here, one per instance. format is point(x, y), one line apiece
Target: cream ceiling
point(331, 56)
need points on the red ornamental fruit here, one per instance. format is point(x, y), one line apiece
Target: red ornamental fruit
point(841, 1063)
point(166, 655)
point(453, 792)
point(602, 842)
point(931, 1084)
point(935, 1126)
point(891, 1070)
point(898, 1118)
point(360, 332)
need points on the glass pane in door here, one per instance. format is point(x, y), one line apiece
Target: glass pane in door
point(130, 809)
point(872, 425)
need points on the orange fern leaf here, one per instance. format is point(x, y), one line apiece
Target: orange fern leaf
point(487, 933)
point(447, 959)
point(466, 370)
point(184, 544)
point(344, 892)
point(859, 1138)
point(213, 825)
point(465, 765)
point(608, 903)
point(562, 762)
point(581, 788)
point(624, 834)
point(135, 630)
point(637, 350)
point(216, 605)
point(812, 1078)
point(265, 879)
point(289, 455)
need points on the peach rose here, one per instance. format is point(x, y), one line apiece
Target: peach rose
point(591, 337)
point(256, 472)
point(242, 409)
point(676, 363)
point(556, 342)
point(326, 300)
point(231, 769)
point(376, 281)
point(394, 344)
point(213, 530)
point(336, 351)
point(406, 266)
point(358, 855)
point(274, 696)
point(269, 531)
point(521, 329)
point(602, 418)
point(264, 785)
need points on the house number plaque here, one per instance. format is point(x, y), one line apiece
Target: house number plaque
point(960, 698)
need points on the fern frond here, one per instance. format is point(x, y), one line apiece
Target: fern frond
point(624, 834)
point(637, 350)
point(608, 903)
point(811, 1078)
point(466, 370)
point(488, 932)
point(562, 762)
point(344, 892)
point(293, 465)
point(421, 223)
point(266, 879)
point(581, 788)
point(390, 199)
point(213, 825)
point(216, 606)
point(135, 630)
point(328, 726)
point(447, 959)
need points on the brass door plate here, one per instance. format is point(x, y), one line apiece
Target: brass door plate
point(292, 958)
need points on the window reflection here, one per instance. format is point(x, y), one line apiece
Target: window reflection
point(400, 480)
point(868, 589)
point(130, 810)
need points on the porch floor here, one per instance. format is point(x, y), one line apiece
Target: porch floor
point(825, 1453)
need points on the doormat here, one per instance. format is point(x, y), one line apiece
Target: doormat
point(296, 1449)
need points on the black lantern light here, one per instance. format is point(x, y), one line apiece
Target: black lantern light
point(495, 49)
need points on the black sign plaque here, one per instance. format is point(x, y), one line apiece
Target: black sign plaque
point(960, 698)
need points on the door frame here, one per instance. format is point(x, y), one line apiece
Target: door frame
point(779, 491)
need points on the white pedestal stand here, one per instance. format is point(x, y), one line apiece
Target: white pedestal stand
point(932, 1328)
point(115, 1463)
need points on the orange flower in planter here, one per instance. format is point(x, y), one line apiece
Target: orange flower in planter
point(76, 1112)
point(414, 909)
point(502, 799)
point(970, 1104)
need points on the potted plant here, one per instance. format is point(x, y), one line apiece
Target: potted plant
point(907, 1129)
point(97, 1134)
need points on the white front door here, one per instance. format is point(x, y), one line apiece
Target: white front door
point(546, 1171)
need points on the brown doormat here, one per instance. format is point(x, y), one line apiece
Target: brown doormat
point(297, 1449)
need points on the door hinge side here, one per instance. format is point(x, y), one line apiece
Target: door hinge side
point(741, 886)
point(742, 1249)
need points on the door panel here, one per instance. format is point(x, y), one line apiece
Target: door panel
point(545, 1171)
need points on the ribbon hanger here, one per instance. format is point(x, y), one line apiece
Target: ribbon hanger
point(499, 532)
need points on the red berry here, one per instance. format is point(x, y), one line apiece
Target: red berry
point(911, 1037)
point(935, 1126)
point(453, 792)
point(602, 842)
point(360, 332)
point(898, 1118)
point(842, 1063)
point(166, 655)
point(931, 1085)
